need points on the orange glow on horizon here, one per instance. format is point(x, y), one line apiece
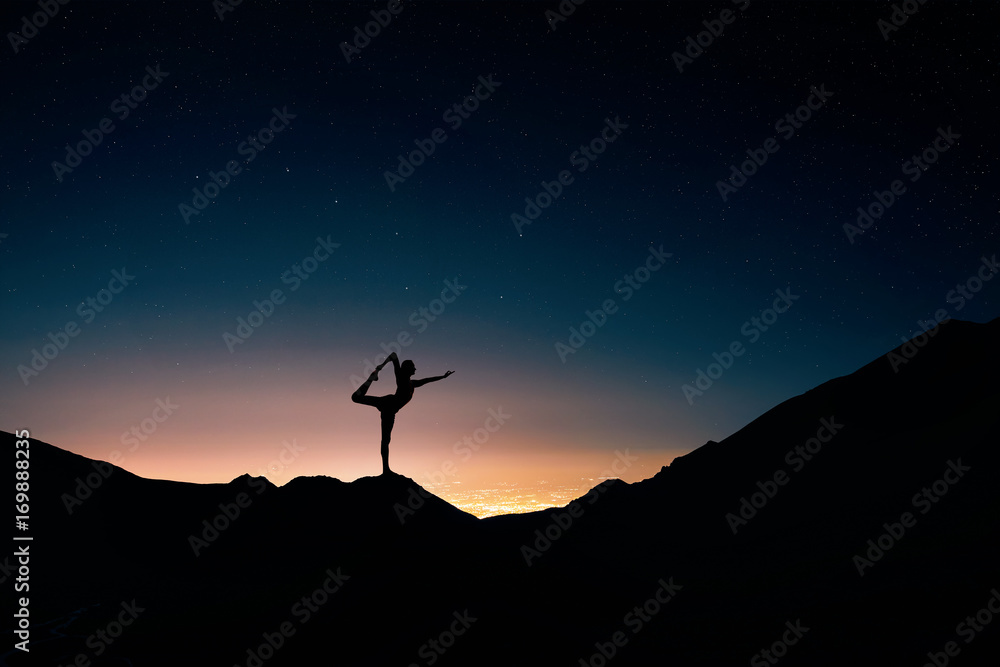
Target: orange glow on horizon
point(555, 443)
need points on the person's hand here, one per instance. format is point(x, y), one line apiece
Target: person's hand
point(448, 373)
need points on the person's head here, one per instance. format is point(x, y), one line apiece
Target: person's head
point(408, 367)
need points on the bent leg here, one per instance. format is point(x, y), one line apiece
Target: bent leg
point(360, 394)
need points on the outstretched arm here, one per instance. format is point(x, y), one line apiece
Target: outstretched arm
point(418, 383)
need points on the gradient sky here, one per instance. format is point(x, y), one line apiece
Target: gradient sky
point(323, 176)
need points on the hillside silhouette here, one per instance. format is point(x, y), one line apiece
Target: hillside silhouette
point(730, 550)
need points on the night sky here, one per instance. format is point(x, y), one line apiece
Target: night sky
point(133, 266)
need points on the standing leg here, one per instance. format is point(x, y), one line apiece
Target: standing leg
point(388, 419)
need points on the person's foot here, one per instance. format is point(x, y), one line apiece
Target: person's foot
point(374, 376)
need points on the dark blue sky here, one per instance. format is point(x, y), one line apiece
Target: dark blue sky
point(322, 176)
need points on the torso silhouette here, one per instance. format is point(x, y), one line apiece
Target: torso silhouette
point(404, 389)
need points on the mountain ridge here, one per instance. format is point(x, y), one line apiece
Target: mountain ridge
point(749, 533)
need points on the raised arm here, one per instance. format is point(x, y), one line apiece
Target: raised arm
point(395, 361)
point(418, 383)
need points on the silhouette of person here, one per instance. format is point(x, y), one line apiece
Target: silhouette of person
point(389, 405)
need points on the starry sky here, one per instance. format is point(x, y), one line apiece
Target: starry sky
point(474, 182)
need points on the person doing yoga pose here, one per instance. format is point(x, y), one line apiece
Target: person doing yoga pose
point(389, 405)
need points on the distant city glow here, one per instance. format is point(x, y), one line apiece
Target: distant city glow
point(513, 498)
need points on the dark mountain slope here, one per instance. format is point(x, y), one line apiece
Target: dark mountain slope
point(378, 571)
